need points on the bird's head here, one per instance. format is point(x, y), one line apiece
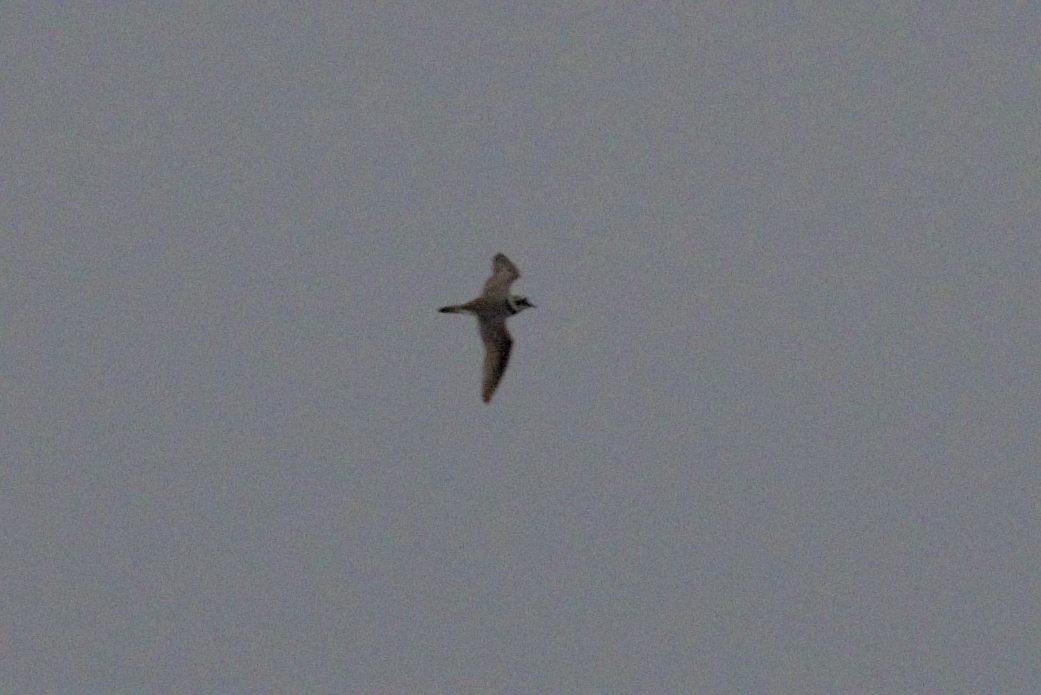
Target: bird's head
point(519, 303)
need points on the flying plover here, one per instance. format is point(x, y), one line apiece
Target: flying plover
point(492, 309)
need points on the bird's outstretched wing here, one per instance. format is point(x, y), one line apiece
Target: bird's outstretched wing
point(497, 344)
point(503, 275)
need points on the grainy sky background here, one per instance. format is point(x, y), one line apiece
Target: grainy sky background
point(774, 426)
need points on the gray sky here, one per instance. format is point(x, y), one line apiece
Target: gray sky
point(773, 427)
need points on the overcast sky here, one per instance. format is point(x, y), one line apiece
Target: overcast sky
point(773, 427)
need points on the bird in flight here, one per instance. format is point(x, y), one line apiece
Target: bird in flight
point(492, 309)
